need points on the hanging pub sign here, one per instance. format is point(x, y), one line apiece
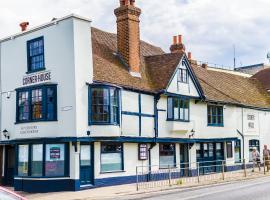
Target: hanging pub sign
point(143, 152)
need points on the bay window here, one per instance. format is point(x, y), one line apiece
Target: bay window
point(43, 160)
point(37, 104)
point(111, 157)
point(104, 105)
point(178, 109)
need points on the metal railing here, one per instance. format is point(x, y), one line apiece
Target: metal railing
point(193, 173)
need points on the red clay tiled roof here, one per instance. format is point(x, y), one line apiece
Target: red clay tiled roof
point(226, 87)
point(108, 67)
point(264, 77)
point(157, 69)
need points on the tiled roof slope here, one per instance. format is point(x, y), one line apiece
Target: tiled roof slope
point(264, 77)
point(157, 69)
point(226, 87)
point(109, 68)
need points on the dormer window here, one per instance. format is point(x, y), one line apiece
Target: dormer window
point(35, 54)
point(104, 105)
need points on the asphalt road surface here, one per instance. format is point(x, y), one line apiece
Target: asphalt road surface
point(256, 189)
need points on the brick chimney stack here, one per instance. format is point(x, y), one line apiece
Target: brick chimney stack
point(128, 34)
point(177, 46)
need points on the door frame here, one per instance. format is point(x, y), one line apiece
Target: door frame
point(92, 155)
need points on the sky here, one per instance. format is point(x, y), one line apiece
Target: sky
point(210, 28)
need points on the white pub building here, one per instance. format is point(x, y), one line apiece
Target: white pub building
point(81, 108)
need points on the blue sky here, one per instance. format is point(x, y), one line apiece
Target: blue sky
point(210, 28)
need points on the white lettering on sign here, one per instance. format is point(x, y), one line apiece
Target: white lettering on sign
point(29, 130)
point(37, 78)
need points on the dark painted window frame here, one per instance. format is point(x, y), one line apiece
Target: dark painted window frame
point(174, 151)
point(122, 157)
point(172, 110)
point(90, 117)
point(229, 149)
point(182, 75)
point(209, 106)
point(44, 103)
point(29, 70)
point(67, 169)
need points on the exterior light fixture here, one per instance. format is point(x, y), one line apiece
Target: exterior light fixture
point(192, 133)
point(6, 134)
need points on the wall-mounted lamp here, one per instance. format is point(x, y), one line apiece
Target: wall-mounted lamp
point(192, 133)
point(88, 133)
point(6, 134)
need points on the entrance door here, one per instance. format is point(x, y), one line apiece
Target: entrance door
point(86, 169)
point(184, 159)
point(9, 165)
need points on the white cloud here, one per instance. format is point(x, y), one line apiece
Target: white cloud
point(209, 27)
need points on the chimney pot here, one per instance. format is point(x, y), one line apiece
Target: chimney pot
point(24, 25)
point(204, 65)
point(189, 55)
point(179, 39)
point(174, 40)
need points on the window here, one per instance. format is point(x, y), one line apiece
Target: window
point(104, 105)
point(198, 150)
point(35, 51)
point(37, 104)
point(215, 115)
point(23, 160)
point(229, 149)
point(37, 160)
point(182, 75)
point(178, 108)
point(111, 157)
point(43, 160)
point(55, 160)
point(237, 151)
point(253, 144)
point(167, 155)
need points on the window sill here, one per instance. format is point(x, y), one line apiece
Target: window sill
point(215, 125)
point(110, 172)
point(36, 70)
point(177, 120)
point(41, 177)
point(35, 121)
point(103, 124)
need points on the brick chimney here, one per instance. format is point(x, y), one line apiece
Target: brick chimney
point(128, 34)
point(177, 46)
point(24, 25)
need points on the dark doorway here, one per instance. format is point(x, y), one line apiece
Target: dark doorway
point(9, 165)
point(184, 159)
point(86, 164)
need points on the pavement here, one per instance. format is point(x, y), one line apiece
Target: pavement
point(183, 191)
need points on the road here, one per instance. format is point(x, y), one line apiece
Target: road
point(256, 189)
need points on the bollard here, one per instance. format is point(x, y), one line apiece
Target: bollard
point(198, 172)
point(223, 170)
point(245, 167)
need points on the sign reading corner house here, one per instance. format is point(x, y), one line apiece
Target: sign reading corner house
point(37, 78)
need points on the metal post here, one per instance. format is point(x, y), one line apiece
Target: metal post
point(223, 170)
point(137, 179)
point(264, 171)
point(198, 171)
point(245, 167)
point(170, 176)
